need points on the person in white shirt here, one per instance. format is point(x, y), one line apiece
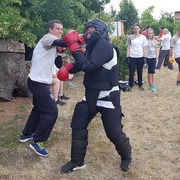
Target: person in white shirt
point(151, 54)
point(136, 51)
point(163, 57)
point(44, 112)
point(175, 47)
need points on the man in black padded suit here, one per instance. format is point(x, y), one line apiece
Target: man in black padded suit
point(102, 93)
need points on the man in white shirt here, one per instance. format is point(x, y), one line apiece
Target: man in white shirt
point(175, 48)
point(44, 112)
point(164, 51)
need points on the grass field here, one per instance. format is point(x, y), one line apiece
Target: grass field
point(152, 122)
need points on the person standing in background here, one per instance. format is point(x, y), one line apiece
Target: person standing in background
point(151, 54)
point(164, 50)
point(144, 32)
point(161, 31)
point(136, 52)
point(175, 47)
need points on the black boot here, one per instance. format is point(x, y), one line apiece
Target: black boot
point(125, 165)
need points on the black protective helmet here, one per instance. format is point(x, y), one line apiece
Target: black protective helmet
point(101, 29)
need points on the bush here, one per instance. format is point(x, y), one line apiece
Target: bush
point(123, 67)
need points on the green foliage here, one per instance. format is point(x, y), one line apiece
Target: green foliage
point(129, 13)
point(166, 20)
point(123, 67)
point(95, 5)
point(12, 24)
point(26, 20)
point(147, 18)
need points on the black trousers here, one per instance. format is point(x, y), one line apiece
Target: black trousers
point(44, 112)
point(163, 59)
point(111, 119)
point(136, 63)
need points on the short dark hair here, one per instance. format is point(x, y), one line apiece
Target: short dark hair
point(52, 22)
point(136, 24)
point(147, 27)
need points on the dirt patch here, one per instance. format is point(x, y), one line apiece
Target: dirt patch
point(9, 109)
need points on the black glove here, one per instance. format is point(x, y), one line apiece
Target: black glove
point(123, 85)
point(58, 61)
point(145, 63)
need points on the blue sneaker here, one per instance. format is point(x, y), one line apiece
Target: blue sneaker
point(150, 86)
point(39, 149)
point(24, 138)
point(153, 88)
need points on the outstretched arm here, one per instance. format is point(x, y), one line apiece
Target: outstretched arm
point(59, 42)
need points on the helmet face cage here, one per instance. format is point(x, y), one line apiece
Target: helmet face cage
point(101, 27)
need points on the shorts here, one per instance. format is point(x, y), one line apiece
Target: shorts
point(151, 65)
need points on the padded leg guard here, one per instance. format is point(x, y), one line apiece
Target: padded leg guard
point(123, 147)
point(79, 145)
point(80, 120)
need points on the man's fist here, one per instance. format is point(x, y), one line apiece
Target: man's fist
point(171, 60)
point(60, 49)
point(72, 40)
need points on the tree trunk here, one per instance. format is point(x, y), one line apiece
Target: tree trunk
point(13, 73)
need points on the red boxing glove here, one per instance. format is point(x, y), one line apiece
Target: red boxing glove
point(68, 66)
point(81, 39)
point(63, 74)
point(72, 40)
point(60, 49)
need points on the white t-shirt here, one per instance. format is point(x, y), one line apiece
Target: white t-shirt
point(136, 45)
point(151, 48)
point(165, 44)
point(42, 63)
point(175, 44)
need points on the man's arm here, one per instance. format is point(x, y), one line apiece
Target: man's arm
point(59, 42)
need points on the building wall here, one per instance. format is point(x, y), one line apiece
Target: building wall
point(177, 16)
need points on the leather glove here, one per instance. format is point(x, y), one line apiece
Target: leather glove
point(171, 60)
point(63, 73)
point(72, 41)
point(68, 66)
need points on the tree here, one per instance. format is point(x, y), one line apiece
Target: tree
point(95, 5)
point(12, 24)
point(129, 13)
point(147, 18)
